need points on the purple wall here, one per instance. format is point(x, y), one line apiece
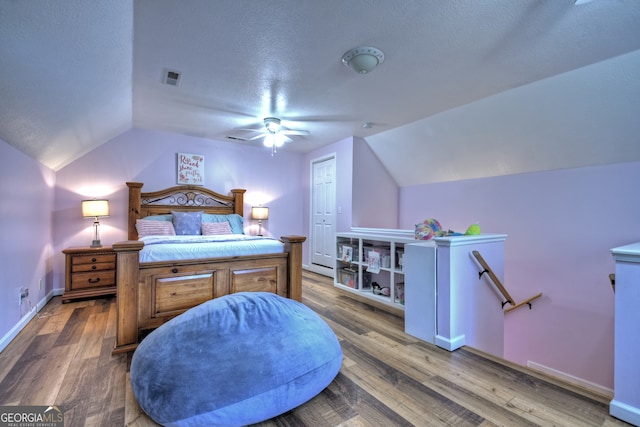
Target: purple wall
point(343, 152)
point(150, 157)
point(560, 226)
point(361, 183)
point(26, 191)
point(375, 193)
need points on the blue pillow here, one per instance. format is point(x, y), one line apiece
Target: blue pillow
point(234, 220)
point(187, 223)
point(233, 361)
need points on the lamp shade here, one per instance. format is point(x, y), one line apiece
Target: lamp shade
point(95, 208)
point(260, 212)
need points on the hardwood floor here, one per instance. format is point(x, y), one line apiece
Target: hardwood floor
point(388, 378)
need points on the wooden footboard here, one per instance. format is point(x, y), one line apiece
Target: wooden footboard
point(149, 294)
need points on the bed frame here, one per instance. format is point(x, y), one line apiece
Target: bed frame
point(150, 293)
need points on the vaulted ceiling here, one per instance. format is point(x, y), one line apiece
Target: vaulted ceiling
point(77, 73)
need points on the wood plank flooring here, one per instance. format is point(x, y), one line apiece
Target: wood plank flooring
point(388, 378)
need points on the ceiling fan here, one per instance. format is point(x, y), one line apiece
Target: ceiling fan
point(274, 134)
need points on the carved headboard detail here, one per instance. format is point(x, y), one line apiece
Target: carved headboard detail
point(182, 198)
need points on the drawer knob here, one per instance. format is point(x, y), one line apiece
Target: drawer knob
point(93, 267)
point(96, 280)
point(175, 270)
point(93, 260)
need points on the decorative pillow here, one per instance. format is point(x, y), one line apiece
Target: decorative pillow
point(214, 228)
point(187, 223)
point(234, 220)
point(154, 228)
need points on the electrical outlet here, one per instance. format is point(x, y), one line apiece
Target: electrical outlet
point(24, 293)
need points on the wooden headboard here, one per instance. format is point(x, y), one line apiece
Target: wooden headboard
point(182, 198)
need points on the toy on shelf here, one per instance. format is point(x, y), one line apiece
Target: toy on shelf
point(430, 228)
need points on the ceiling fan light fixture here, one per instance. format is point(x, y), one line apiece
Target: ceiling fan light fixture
point(272, 124)
point(274, 140)
point(268, 141)
point(363, 59)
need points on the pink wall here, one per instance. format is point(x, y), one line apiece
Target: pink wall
point(26, 191)
point(560, 226)
point(150, 157)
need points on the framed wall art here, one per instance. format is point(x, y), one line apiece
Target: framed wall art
point(190, 169)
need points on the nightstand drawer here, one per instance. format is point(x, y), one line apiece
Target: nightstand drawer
point(99, 266)
point(93, 280)
point(89, 272)
point(94, 259)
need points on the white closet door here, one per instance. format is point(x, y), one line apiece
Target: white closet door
point(323, 200)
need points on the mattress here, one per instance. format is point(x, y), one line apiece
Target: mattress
point(170, 248)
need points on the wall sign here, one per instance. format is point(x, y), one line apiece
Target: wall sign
point(190, 169)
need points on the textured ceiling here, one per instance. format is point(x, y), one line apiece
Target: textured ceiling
point(78, 73)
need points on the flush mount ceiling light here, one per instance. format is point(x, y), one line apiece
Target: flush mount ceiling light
point(363, 59)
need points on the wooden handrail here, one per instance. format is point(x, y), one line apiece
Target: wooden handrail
point(493, 277)
point(521, 303)
point(500, 286)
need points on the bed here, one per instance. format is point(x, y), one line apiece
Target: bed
point(151, 291)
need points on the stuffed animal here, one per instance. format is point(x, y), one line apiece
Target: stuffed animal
point(380, 290)
point(428, 229)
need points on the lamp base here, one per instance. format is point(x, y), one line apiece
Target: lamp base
point(95, 244)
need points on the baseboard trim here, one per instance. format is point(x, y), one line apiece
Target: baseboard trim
point(13, 332)
point(625, 412)
point(568, 378)
point(450, 343)
point(315, 268)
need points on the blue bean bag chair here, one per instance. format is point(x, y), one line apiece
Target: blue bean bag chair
point(235, 360)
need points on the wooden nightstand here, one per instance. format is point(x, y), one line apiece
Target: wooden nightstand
point(89, 272)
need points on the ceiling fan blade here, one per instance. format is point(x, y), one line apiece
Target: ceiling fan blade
point(256, 129)
point(207, 104)
point(253, 138)
point(294, 132)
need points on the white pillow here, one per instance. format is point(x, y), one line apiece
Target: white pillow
point(147, 227)
point(215, 228)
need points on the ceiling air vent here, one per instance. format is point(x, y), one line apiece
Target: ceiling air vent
point(172, 78)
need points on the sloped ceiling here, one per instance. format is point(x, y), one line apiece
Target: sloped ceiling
point(78, 73)
point(67, 76)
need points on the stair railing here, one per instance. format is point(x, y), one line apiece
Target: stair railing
point(507, 297)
